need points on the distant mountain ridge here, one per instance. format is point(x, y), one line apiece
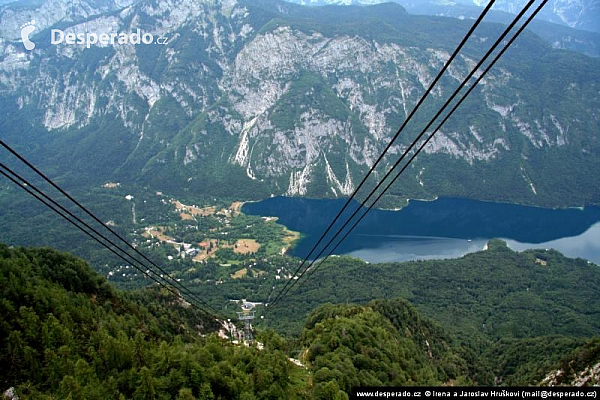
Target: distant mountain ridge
point(579, 14)
point(558, 33)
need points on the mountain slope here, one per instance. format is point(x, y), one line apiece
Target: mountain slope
point(49, 13)
point(556, 34)
point(385, 343)
point(66, 333)
point(210, 114)
point(581, 368)
point(388, 343)
point(483, 296)
point(529, 361)
point(580, 14)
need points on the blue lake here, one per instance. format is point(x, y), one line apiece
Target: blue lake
point(444, 228)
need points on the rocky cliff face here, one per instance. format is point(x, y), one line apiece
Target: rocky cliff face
point(292, 101)
point(580, 368)
point(590, 376)
point(581, 14)
point(48, 13)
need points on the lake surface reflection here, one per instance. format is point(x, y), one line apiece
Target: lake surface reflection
point(444, 228)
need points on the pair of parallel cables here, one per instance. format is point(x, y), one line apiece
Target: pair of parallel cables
point(295, 278)
point(146, 266)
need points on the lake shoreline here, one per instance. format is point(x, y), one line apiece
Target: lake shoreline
point(435, 198)
point(440, 228)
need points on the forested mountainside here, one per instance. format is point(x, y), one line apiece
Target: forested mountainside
point(67, 333)
point(488, 295)
point(253, 98)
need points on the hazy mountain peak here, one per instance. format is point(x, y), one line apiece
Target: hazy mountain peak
point(580, 14)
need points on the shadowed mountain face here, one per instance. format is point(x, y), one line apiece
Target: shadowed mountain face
point(571, 25)
point(583, 37)
point(579, 14)
point(249, 99)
